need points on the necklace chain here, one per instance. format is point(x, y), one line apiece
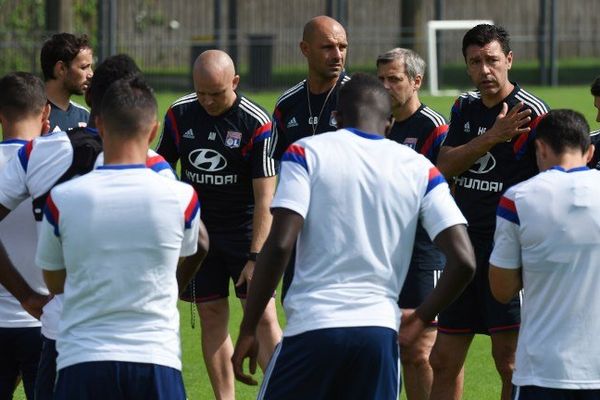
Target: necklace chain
point(310, 114)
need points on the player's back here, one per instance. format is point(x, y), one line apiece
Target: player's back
point(122, 231)
point(366, 194)
point(558, 216)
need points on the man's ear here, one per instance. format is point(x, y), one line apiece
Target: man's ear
point(60, 69)
point(304, 48)
point(235, 82)
point(417, 83)
point(589, 154)
point(46, 112)
point(153, 132)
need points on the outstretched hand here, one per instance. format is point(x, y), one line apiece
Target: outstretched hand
point(245, 347)
point(511, 123)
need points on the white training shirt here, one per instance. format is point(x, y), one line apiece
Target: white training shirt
point(360, 196)
point(19, 236)
point(549, 225)
point(32, 173)
point(119, 232)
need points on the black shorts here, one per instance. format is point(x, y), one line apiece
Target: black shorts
point(225, 261)
point(19, 356)
point(419, 282)
point(476, 310)
point(536, 393)
point(426, 265)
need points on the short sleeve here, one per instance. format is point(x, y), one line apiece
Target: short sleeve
point(278, 134)
point(456, 135)
point(293, 191)
point(507, 246)
point(438, 209)
point(263, 163)
point(168, 145)
point(158, 164)
point(49, 254)
point(13, 179)
point(434, 141)
point(189, 245)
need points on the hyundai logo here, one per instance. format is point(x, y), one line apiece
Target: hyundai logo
point(484, 165)
point(207, 160)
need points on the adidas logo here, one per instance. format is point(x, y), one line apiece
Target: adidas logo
point(467, 128)
point(292, 122)
point(189, 134)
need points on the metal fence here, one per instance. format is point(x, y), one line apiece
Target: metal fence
point(263, 35)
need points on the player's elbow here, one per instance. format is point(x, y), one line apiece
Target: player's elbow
point(55, 281)
point(501, 295)
point(504, 283)
point(465, 265)
point(444, 163)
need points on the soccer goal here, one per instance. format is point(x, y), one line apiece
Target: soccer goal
point(432, 28)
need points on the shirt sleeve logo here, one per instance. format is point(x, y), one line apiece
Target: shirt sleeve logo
point(233, 139)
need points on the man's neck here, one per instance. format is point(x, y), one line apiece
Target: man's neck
point(491, 101)
point(125, 152)
point(57, 94)
point(567, 160)
point(318, 85)
point(23, 130)
point(404, 112)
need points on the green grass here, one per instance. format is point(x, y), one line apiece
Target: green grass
point(481, 380)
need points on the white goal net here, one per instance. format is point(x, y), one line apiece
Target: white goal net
point(432, 28)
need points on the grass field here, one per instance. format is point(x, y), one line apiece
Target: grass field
point(481, 380)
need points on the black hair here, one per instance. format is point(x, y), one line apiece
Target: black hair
point(482, 34)
point(363, 96)
point(564, 129)
point(113, 68)
point(61, 47)
point(128, 106)
point(21, 94)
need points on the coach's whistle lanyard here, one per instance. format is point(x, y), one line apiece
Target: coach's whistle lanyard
point(310, 114)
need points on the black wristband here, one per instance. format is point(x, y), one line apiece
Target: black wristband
point(252, 256)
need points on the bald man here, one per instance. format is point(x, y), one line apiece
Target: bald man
point(223, 141)
point(306, 109)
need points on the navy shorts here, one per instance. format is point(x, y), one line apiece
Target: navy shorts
point(537, 393)
point(417, 286)
point(335, 363)
point(19, 356)
point(425, 268)
point(46, 375)
point(117, 380)
point(476, 310)
point(225, 261)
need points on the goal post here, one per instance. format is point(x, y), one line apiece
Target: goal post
point(432, 28)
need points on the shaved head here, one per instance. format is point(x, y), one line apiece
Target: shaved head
point(214, 64)
point(324, 44)
point(215, 81)
point(321, 25)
